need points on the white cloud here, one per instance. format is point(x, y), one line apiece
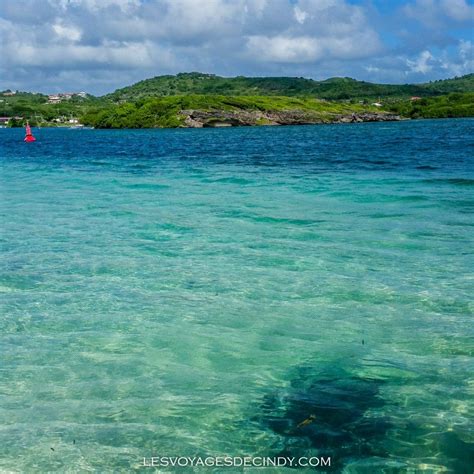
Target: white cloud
point(300, 15)
point(458, 10)
point(466, 51)
point(190, 19)
point(435, 13)
point(284, 49)
point(450, 64)
point(72, 56)
point(115, 41)
point(324, 30)
point(461, 64)
point(96, 5)
point(372, 69)
point(68, 33)
point(421, 63)
point(307, 49)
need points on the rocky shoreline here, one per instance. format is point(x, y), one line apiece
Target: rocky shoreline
point(241, 118)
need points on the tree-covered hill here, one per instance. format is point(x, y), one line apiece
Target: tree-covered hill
point(214, 110)
point(166, 100)
point(456, 84)
point(35, 107)
point(331, 89)
point(221, 110)
point(451, 105)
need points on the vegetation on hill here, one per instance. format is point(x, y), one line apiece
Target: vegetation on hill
point(455, 104)
point(456, 84)
point(35, 108)
point(166, 111)
point(332, 89)
point(159, 102)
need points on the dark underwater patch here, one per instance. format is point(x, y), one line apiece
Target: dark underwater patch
point(151, 186)
point(230, 180)
point(451, 181)
point(337, 416)
point(459, 453)
point(343, 416)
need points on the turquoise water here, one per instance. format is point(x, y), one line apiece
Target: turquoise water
point(204, 292)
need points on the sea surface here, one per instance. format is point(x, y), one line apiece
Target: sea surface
point(274, 291)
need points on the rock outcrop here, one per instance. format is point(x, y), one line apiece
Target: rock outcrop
point(240, 118)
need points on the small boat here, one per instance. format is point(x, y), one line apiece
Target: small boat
point(29, 136)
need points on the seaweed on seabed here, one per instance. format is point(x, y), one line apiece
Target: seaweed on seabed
point(334, 415)
point(459, 454)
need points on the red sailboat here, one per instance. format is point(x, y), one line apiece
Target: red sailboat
point(29, 136)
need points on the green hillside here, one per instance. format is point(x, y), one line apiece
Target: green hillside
point(457, 84)
point(451, 105)
point(168, 111)
point(331, 89)
point(164, 102)
point(35, 107)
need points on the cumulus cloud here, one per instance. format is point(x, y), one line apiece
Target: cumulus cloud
point(284, 49)
point(96, 5)
point(437, 12)
point(455, 64)
point(458, 10)
point(421, 63)
point(461, 63)
point(300, 15)
point(103, 44)
point(67, 33)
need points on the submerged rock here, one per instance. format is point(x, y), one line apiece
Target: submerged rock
point(336, 416)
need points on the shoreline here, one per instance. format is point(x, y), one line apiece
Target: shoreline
point(218, 119)
point(338, 121)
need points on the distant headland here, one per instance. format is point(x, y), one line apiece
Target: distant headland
point(206, 100)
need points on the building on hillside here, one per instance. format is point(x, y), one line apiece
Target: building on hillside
point(377, 104)
point(5, 121)
point(415, 98)
point(60, 96)
point(54, 99)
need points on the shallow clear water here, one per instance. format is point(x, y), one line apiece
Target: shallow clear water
point(203, 292)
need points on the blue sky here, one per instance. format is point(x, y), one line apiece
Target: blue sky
point(99, 45)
